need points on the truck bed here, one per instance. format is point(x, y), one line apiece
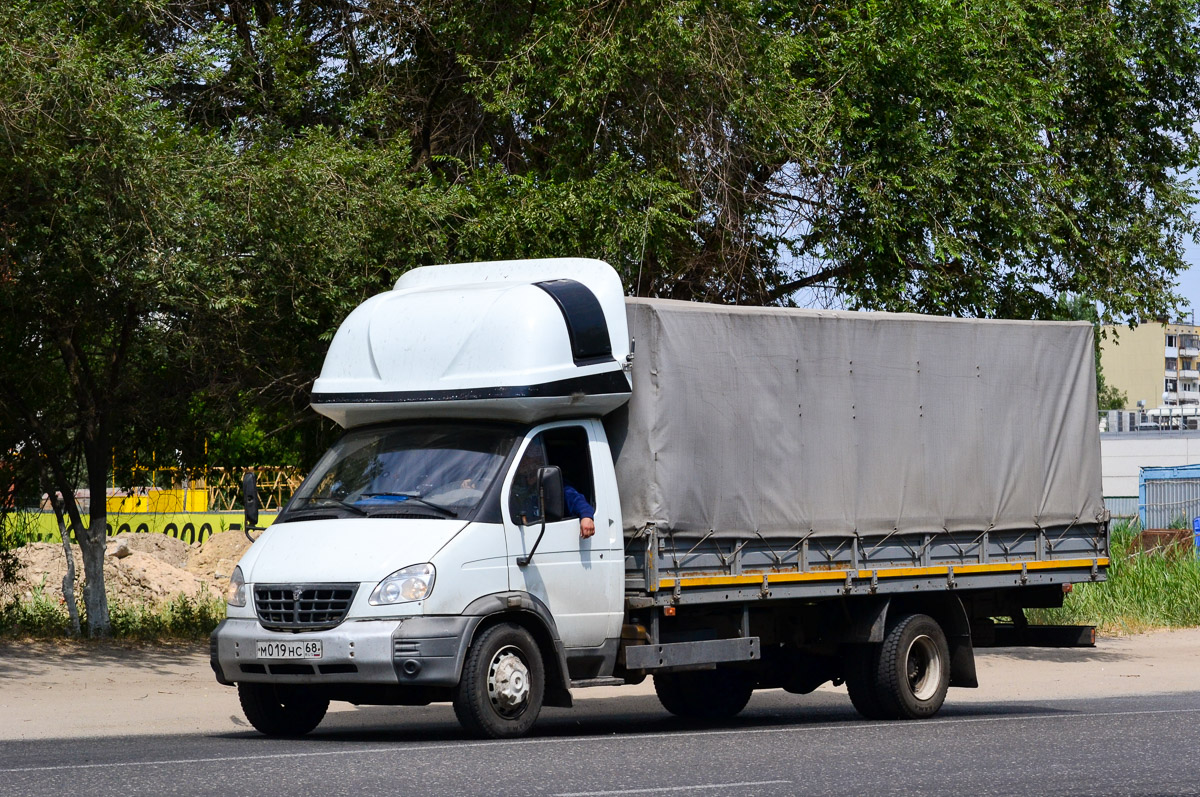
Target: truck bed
point(665, 569)
point(870, 429)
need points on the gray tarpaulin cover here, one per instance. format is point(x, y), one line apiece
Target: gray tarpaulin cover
point(779, 421)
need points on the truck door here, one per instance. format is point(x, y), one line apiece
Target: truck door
point(580, 580)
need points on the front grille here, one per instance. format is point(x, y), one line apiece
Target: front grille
point(302, 607)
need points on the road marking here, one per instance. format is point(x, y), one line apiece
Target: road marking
point(664, 736)
point(673, 788)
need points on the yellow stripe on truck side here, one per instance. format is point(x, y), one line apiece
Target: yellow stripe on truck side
point(897, 572)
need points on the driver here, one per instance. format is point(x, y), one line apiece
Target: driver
point(526, 508)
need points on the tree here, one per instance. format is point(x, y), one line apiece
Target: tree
point(947, 157)
point(100, 199)
point(1108, 397)
point(1076, 308)
point(994, 156)
point(929, 156)
point(151, 266)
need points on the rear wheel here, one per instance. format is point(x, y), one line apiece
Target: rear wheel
point(861, 664)
point(704, 694)
point(281, 711)
point(907, 676)
point(914, 668)
point(503, 679)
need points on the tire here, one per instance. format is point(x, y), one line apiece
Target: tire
point(503, 680)
point(704, 694)
point(861, 664)
point(281, 711)
point(914, 668)
point(906, 677)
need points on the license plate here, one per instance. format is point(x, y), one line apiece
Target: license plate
point(272, 649)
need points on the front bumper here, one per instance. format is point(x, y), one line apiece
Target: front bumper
point(416, 651)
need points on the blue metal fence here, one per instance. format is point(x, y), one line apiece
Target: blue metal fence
point(1169, 497)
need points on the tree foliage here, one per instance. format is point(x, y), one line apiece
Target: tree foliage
point(950, 157)
point(1076, 308)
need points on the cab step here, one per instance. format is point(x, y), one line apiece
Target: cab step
point(584, 683)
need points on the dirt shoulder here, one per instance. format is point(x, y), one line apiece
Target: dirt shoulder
point(1155, 663)
point(56, 691)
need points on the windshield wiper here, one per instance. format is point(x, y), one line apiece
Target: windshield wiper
point(330, 499)
point(446, 511)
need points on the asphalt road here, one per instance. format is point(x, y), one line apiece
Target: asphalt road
point(781, 745)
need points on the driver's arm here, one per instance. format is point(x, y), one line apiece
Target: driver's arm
point(578, 506)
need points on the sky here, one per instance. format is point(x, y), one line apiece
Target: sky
point(1189, 281)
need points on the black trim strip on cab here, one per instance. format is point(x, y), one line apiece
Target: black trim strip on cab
point(609, 382)
point(586, 325)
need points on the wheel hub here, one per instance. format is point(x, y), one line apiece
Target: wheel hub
point(923, 668)
point(508, 682)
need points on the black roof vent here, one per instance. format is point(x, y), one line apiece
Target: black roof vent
point(585, 320)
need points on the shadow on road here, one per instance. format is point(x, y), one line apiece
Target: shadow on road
point(32, 658)
point(618, 717)
point(1058, 655)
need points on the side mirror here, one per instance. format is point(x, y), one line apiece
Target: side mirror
point(553, 503)
point(250, 499)
point(550, 488)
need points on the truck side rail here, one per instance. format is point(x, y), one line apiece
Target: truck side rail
point(664, 568)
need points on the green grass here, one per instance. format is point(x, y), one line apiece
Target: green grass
point(181, 618)
point(43, 526)
point(1144, 591)
point(38, 616)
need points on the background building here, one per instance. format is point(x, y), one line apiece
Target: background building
point(1156, 363)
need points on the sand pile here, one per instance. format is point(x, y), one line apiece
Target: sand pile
point(138, 568)
point(217, 556)
point(167, 549)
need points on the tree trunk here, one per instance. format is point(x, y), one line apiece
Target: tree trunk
point(93, 540)
point(92, 543)
point(91, 536)
point(68, 582)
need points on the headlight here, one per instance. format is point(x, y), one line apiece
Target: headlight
point(412, 583)
point(235, 593)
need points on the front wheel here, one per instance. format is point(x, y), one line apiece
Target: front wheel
point(503, 679)
point(281, 711)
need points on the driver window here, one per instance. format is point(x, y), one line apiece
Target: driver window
point(523, 504)
point(567, 448)
point(564, 447)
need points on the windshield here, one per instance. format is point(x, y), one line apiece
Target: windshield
point(438, 471)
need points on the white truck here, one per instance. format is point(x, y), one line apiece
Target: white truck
point(781, 498)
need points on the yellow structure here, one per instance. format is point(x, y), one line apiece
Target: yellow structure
point(214, 490)
point(160, 501)
point(1156, 363)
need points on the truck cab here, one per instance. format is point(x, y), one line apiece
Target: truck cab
point(466, 393)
